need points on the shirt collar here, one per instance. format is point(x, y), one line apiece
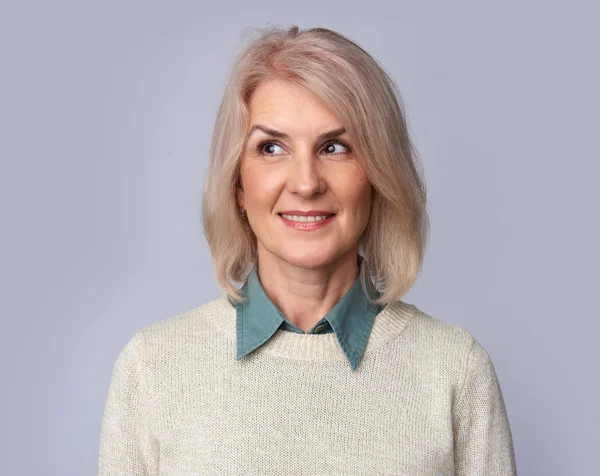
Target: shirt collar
point(351, 319)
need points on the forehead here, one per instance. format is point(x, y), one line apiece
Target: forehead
point(287, 105)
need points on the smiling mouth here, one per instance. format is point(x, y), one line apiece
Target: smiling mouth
point(306, 218)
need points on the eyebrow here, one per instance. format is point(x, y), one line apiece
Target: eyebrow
point(281, 135)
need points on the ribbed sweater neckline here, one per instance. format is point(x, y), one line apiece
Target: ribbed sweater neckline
point(389, 323)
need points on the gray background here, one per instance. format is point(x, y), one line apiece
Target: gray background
point(106, 112)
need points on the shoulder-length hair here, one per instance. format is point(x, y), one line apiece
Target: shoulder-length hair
point(366, 101)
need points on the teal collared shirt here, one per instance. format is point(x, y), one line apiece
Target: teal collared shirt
point(351, 319)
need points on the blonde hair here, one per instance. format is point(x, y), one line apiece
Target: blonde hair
point(366, 101)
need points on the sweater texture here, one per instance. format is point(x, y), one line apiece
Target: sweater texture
point(424, 401)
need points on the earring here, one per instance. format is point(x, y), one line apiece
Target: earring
point(243, 213)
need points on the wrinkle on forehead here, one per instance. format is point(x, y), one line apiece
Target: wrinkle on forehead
point(291, 109)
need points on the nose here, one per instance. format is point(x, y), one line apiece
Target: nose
point(305, 175)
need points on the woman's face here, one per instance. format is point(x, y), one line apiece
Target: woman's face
point(288, 167)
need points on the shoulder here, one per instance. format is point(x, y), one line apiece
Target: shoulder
point(439, 331)
point(183, 328)
point(444, 343)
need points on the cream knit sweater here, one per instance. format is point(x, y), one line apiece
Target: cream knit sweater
point(424, 401)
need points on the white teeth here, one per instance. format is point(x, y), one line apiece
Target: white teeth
point(304, 218)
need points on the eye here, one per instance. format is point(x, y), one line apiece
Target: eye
point(331, 147)
point(269, 148)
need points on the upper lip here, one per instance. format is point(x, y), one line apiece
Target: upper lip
point(309, 213)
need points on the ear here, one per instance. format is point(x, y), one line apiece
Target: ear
point(239, 194)
point(373, 196)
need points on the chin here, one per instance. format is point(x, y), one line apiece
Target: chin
point(308, 260)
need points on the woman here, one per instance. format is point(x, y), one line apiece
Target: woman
point(315, 204)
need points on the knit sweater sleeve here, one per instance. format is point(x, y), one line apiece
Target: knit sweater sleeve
point(123, 448)
point(482, 434)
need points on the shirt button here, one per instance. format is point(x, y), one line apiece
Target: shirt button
point(319, 328)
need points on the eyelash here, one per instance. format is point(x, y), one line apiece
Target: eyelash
point(260, 146)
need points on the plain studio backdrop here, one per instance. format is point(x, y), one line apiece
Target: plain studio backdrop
point(106, 112)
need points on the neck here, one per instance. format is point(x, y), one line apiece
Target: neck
point(305, 294)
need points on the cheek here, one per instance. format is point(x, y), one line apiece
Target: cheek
point(356, 194)
point(261, 189)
